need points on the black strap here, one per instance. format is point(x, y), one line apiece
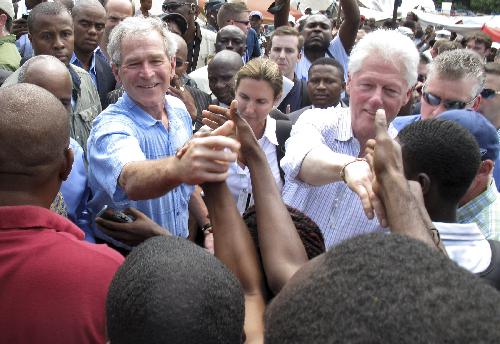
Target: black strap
point(492, 274)
point(283, 128)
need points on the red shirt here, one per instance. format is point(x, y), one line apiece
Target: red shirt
point(53, 285)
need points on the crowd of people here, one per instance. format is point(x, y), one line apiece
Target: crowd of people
point(198, 177)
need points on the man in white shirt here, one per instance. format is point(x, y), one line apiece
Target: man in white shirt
point(325, 148)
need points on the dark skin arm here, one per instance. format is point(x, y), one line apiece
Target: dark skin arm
point(281, 16)
point(281, 248)
point(403, 201)
point(132, 233)
point(235, 248)
point(349, 28)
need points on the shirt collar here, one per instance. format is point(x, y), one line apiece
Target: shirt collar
point(270, 130)
point(28, 217)
point(485, 199)
point(74, 60)
point(142, 117)
point(459, 231)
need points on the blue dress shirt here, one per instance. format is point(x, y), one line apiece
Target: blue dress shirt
point(124, 133)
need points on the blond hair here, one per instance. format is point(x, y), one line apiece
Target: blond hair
point(262, 69)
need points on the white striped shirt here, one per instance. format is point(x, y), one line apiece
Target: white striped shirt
point(334, 207)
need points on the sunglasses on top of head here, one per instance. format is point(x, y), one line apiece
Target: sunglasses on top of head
point(173, 6)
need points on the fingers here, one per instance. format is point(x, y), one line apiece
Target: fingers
point(380, 124)
point(217, 143)
point(214, 117)
point(219, 110)
point(211, 124)
point(233, 111)
point(227, 129)
point(111, 225)
point(362, 191)
point(379, 208)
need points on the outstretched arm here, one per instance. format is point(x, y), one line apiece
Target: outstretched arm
point(235, 248)
point(281, 248)
point(349, 28)
point(403, 201)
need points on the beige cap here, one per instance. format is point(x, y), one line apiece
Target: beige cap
point(7, 7)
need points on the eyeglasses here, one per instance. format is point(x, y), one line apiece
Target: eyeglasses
point(434, 100)
point(421, 77)
point(488, 93)
point(244, 22)
point(172, 6)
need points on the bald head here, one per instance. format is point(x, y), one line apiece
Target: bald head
point(231, 37)
point(49, 73)
point(116, 11)
point(34, 127)
point(181, 56)
point(86, 4)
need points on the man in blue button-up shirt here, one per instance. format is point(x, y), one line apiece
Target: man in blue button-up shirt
point(133, 143)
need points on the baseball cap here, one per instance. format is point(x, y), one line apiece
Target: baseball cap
point(7, 7)
point(175, 17)
point(214, 4)
point(256, 13)
point(482, 129)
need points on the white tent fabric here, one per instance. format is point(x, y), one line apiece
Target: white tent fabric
point(406, 6)
point(315, 5)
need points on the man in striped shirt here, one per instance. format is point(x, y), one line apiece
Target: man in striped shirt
point(326, 176)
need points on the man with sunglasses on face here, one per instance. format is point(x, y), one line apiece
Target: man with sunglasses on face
point(200, 41)
point(454, 81)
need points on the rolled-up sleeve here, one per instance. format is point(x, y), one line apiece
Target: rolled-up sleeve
point(306, 134)
point(110, 147)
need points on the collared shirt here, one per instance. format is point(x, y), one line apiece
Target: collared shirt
point(52, 282)
point(200, 76)
point(124, 133)
point(335, 50)
point(334, 207)
point(92, 71)
point(484, 210)
point(400, 122)
point(465, 245)
point(239, 181)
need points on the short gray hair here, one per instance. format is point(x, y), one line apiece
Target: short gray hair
point(458, 65)
point(389, 46)
point(139, 26)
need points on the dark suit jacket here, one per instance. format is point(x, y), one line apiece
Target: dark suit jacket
point(106, 81)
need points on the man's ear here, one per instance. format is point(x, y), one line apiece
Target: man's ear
point(3, 20)
point(348, 85)
point(114, 68)
point(486, 167)
point(475, 106)
point(67, 164)
point(425, 182)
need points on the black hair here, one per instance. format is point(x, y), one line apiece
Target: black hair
point(381, 288)
point(330, 62)
point(445, 151)
point(45, 8)
point(169, 290)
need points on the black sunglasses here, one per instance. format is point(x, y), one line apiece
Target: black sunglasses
point(179, 62)
point(488, 93)
point(172, 6)
point(245, 22)
point(434, 100)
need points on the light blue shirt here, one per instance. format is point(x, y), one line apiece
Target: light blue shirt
point(24, 46)
point(124, 133)
point(335, 50)
point(92, 71)
point(76, 192)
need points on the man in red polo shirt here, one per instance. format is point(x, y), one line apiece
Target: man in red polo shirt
point(53, 285)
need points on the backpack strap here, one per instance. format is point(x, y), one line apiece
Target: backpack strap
point(283, 129)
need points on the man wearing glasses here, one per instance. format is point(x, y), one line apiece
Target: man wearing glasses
point(200, 41)
point(454, 81)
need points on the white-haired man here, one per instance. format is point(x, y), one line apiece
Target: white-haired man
point(326, 176)
point(133, 143)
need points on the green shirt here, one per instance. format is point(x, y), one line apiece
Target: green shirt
point(9, 56)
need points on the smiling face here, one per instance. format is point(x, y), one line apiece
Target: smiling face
point(377, 85)
point(145, 70)
point(53, 35)
point(89, 28)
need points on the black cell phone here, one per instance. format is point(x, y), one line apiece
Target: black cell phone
point(110, 214)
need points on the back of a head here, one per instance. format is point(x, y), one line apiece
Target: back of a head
point(383, 288)
point(34, 127)
point(445, 151)
point(387, 46)
point(171, 291)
